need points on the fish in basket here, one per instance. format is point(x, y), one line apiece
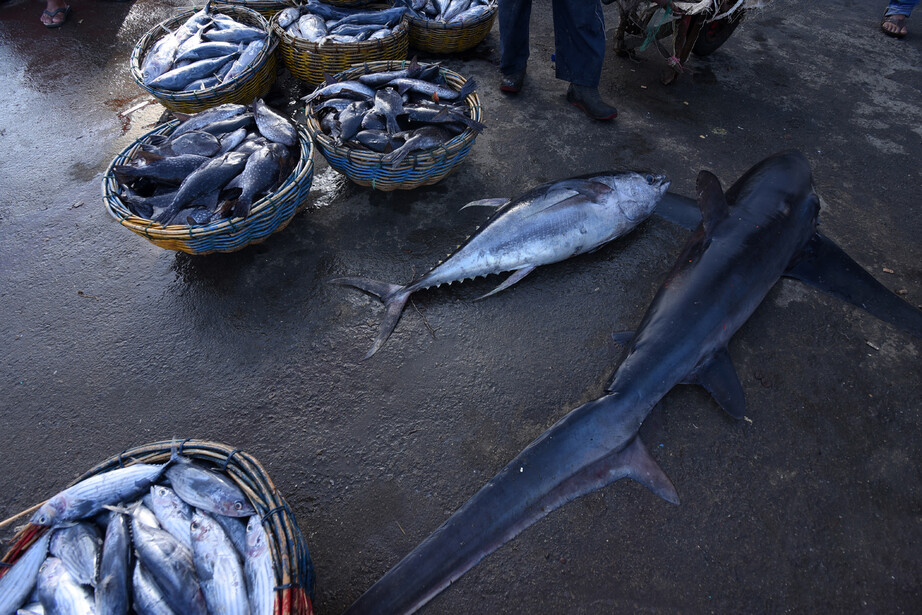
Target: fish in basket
point(449, 26)
point(316, 38)
point(204, 58)
point(221, 178)
point(191, 528)
point(395, 125)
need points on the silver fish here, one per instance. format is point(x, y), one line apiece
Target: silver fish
point(89, 496)
point(18, 582)
point(433, 90)
point(352, 89)
point(236, 530)
point(260, 576)
point(423, 138)
point(218, 567)
point(208, 178)
point(174, 515)
point(33, 608)
point(179, 78)
point(546, 224)
point(210, 49)
point(259, 175)
point(312, 27)
point(147, 597)
point(170, 170)
point(195, 142)
point(209, 116)
point(287, 17)
point(160, 58)
point(245, 60)
point(389, 104)
point(202, 487)
point(78, 546)
point(274, 126)
point(239, 34)
point(171, 566)
point(60, 593)
point(113, 592)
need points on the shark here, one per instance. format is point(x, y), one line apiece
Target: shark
point(762, 228)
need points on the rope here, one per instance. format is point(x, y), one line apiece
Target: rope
point(652, 28)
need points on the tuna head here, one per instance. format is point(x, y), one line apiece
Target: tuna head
point(636, 193)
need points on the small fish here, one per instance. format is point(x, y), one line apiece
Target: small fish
point(146, 594)
point(350, 120)
point(218, 567)
point(170, 170)
point(436, 92)
point(60, 593)
point(211, 49)
point(389, 104)
point(273, 125)
point(239, 34)
point(89, 496)
point(259, 175)
point(351, 89)
point(18, 582)
point(160, 58)
point(174, 515)
point(171, 566)
point(423, 138)
point(209, 116)
point(312, 27)
point(244, 61)
point(195, 142)
point(236, 531)
point(78, 546)
point(208, 178)
point(382, 78)
point(260, 576)
point(179, 78)
point(287, 17)
point(202, 487)
point(113, 592)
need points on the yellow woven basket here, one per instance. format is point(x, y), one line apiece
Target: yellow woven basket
point(266, 8)
point(252, 83)
point(311, 62)
point(440, 37)
point(294, 573)
point(417, 169)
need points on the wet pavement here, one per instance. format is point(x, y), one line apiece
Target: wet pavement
point(813, 503)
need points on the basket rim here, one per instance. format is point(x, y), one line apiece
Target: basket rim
point(151, 229)
point(368, 158)
point(158, 31)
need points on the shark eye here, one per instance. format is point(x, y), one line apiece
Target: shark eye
point(650, 179)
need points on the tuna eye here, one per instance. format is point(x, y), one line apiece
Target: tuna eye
point(195, 525)
point(238, 505)
point(649, 179)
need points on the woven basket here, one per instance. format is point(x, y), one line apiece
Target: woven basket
point(268, 215)
point(266, 8)
point(421, 168)
point(311, 62)
point(252, 83)
point(294, 573)
point(348, 3)
point(440, 37)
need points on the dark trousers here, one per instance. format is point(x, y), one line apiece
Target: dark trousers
point(579, 38)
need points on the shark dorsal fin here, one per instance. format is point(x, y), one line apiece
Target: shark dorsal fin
point(711, 200)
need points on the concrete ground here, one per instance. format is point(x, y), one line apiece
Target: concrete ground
point(813, 504)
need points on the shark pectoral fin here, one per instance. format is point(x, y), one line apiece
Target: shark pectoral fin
point(720, 380)
point(486, 203)
point(825, 266)
point(641, 467)
point(517, 275)
point(622, 338)
point(711, 200)
point(679, 210)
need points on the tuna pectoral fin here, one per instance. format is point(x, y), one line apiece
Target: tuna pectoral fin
point(512, 279)
point(719, 378)
point(552, 471)
point(825, 266)
point(679, 210)
point(486, 203)
point(394, 297)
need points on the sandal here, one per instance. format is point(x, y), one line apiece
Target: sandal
point(52, 14)
point(897, 20)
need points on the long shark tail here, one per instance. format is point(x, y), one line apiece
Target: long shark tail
point(394, 298)
point(586, 450)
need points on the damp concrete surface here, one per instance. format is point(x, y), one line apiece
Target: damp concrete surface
point(812, 503)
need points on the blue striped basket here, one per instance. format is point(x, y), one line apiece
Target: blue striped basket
point(421, 168)
point(268, 215)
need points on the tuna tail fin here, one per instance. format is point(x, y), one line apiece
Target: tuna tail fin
point(394, 298)
point(558, 467)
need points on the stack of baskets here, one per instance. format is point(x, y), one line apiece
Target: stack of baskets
point(294, 574)
point(268, 215)
point(441, 37)
point(252, 83)
point(311, 62)
point(421, 168)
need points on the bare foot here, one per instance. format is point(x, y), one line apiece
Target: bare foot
point(894, 25)
point(55, 13)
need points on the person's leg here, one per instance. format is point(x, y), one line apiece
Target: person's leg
point(894, 22)
point(579, 41)
point(55, 13)
point(514, 16)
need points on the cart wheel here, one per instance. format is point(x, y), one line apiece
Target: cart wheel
point(715, 33)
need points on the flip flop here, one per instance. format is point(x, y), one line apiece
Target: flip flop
point(897, 20)
point(51, 14)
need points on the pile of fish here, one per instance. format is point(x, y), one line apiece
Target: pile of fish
point(214, 165)
point(321, 23)
point(449, 11)
point(206, 51)
point(176, 538)
point(395, 112)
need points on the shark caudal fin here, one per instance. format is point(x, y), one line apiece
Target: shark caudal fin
point(394, 298)
point(569, 460)
point(825, 266)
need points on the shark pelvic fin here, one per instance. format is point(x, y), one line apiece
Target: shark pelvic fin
point(394, 298)
point(711, 200)
point(825, 266)
point(517, 275)
point(641, 467)
point(719, 378)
